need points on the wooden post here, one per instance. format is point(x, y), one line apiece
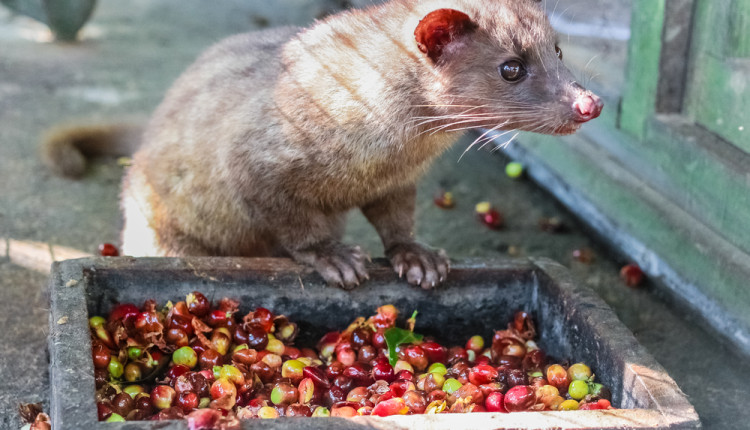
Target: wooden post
point(739, 29)
point(644, 53)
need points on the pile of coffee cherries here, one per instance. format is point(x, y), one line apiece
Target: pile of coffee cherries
point(216, 365)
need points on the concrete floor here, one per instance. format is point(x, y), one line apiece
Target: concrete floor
point(130, 53)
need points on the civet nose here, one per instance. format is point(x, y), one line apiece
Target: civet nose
point(587, 107)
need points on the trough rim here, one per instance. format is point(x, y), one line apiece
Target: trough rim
point(69, 336)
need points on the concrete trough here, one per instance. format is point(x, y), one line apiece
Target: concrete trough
point(480, 296)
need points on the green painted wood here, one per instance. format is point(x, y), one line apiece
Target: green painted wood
point(688, 165)
point(644, 50)
point(713, 273)
point(719, 88)
point(683, 163)
point(678, 185)
point(739, 29)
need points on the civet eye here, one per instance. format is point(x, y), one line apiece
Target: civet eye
point(512, 70)
point(558, 51)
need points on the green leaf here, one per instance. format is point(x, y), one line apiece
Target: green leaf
point(594, 388)
point(394, 337)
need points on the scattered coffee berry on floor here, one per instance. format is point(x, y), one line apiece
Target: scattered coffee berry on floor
point(514, 170)
point(489, 216)
point(583, 255)
point(108, 250)
point(632, 275)
point(444, 199)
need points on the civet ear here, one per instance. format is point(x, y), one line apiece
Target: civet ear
point(439, 28)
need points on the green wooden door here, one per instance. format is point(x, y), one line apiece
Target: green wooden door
point(719, 79)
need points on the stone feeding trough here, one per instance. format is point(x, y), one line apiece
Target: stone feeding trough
point(479, 297)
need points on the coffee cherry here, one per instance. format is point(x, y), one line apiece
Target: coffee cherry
point(378, 339)
point(579, 371)
point(366, 354)
point(433, 381)
point(298, 410)
point(115, 418)
point(185, 356)
point(284, 393)
point(416, 401)
point(197, 303)
point(489, 216)
point(210, 358)
point(395, 406)
point(223, 387)
point(221, 340)
point(519, 398)
point(415, 355)
point(578, 389)
point(515, 377)
point(333, 395)
point(176, 371)
point(108, 250)
point(133, 390)
point(267, 412)
point(547, 394)
point(244, 355)
point(435, 352)
point(568, 405)
point(514, 170)
point(383, 371)
point(262, 318)
point(404, 374)
point(317, 375)
point(557, 376)
point(103, 410)
point(475, 343)
point(451, 385)
point(583, 255)
point(124, 312)
point(321, 411)
point(162, 396)
point(470, 391)
point(307, 390)
point(482, 374)
point(632, 275)
point(494, 402)
point(444, 200)
point(122, 404)
point(257, 338)
point(293, 369)
point(360, 337)
point(101, 356)
point(232, 374)
point(116, 369)
point(187, 401)
point(359, 373)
